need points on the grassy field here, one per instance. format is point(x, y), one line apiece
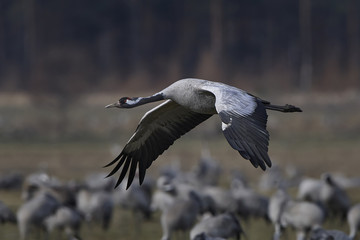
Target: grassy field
point(77, 141)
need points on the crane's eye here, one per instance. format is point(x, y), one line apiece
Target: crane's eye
point(123, 100)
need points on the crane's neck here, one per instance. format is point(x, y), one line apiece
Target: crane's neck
point(137, 101)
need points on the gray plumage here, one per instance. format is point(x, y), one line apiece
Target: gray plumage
point(136, 198)
point(224, 226)
point(207, 171)
point(179, 206)
point(189, 103)
point(300, 215)
point(249, 202)
point(224, 200)
point(178, 213)
point(95, 206)
point(353, 218)
point(66, 219)
point(326, 192)
point(276, 207)
point(35, 210)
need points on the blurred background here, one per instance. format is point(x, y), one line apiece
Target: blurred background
point(74, 47)
point(62, 61)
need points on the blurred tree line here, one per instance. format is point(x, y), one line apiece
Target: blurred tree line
point(71, 46)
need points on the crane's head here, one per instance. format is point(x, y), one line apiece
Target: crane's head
point(124, 102)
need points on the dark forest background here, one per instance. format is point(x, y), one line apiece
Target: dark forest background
point(79, 46)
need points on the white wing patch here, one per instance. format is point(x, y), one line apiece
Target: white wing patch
point(224, 126)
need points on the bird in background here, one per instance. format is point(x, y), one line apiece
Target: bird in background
point(188, 103)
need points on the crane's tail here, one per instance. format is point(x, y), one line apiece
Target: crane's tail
point(286, 108)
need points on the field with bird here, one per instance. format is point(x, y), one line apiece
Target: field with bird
point(90, 101)
point(70, 143)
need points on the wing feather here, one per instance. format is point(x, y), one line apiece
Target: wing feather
point(132, 170)
point(125, 169)
point(244, 121)
point(157, 130)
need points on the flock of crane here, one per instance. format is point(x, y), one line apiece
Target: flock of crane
point(189, 201)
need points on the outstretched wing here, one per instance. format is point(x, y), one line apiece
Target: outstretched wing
point(243, 123)
point(157, 130)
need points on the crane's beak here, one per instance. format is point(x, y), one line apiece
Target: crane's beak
point(117, 104)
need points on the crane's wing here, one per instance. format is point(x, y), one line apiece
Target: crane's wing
point(244, 120)
point(157, 130)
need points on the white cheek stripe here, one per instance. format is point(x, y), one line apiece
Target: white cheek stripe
point(131, 102)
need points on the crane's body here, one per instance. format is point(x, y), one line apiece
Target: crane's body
point(190, 102)
point(199, 95)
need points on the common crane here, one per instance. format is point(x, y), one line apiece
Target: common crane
point(95, 206)
point(35, 210)
point(326, 192)
point(179, 206)
point(66, 219)
point(300, 215)
point(224, 225)
point(190, 102)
